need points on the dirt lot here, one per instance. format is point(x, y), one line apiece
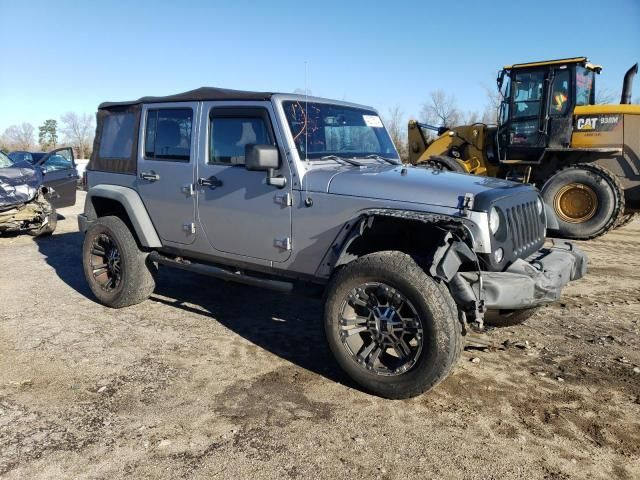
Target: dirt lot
point(209, 379)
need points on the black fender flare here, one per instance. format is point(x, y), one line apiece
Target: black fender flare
point(456, 232)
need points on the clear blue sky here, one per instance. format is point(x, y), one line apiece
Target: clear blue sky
point(60, 56)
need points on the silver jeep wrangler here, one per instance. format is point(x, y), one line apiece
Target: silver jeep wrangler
point(287, 191)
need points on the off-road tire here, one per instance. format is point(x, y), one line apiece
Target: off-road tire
point(442, 339)
point(607, 189)
point(449, 164)
point(49, 228)
point(137, 273)
point(626, 219)
point(508, 318)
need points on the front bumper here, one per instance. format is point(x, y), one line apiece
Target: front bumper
point(536, 281)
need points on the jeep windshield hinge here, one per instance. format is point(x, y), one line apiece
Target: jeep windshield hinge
point(465, 204)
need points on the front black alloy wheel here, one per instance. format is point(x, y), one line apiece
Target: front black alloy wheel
point(391, 327)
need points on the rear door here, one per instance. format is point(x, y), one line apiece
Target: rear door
point(59, 170)
point(166, 160)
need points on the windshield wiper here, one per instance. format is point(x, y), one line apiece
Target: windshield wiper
point(343, 159)
point(380, 157)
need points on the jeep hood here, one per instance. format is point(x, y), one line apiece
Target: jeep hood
point(408, 184)
point(18, 184)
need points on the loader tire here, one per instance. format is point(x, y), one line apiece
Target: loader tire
point(626, 219)
point(587, 199)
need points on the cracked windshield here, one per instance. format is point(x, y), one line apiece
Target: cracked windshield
point(322, 130)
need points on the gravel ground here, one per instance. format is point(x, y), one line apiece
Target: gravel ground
point(208, 379)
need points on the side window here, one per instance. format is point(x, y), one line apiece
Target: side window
point(118, 132)
point(230, 134)
point(560, 93)
point(527, 94)
point(584, 86)
point(60, 161)
point(168, 134)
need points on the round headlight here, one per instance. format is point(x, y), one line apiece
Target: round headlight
point(494, 220)
point(498, 255)
point(539, 206)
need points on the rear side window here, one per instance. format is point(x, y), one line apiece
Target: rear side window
point(168, 134)
point(230, 135)
point(118, 132)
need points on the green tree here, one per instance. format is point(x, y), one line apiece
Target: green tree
point(48, 136)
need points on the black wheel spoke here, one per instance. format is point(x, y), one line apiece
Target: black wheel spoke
point(366, 350)
point(352, 331)
point(349, 322)
point(99, 271)
point(106, 268)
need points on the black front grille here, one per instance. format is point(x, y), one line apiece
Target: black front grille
point(526, 228)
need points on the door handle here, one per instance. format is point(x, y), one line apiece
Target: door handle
point(150, 176)
point(212, 182)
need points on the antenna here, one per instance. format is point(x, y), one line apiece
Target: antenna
point(308, 201)
point(306, 110)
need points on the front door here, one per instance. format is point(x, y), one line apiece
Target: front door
point(525, 137)
point(240, 214)
point(60, 174)
point(166, 160)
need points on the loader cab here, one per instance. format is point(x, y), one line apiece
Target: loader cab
point(536, 112)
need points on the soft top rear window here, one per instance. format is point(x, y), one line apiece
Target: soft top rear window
point(118, 133)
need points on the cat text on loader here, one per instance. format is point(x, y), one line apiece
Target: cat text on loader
point(584, 157)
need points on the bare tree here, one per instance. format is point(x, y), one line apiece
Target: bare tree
point(441, 110)
point(605, 96)
point(78, 131)
point(20, 137)
point(490, 114)
point(397, 127)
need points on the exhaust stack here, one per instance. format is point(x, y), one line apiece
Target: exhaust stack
point(627, 84)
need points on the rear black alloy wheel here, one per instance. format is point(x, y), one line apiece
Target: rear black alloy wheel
point(116, 268)
point(105, 262)
point(381, 329)
point(390, 326)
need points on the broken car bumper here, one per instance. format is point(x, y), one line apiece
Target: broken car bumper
point(528, 283)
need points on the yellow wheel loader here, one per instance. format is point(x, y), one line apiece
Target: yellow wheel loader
point(585, 158)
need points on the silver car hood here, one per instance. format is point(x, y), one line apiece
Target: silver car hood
point(403, 184)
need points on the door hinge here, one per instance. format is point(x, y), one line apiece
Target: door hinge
point(283, 199)
point(189, 227)
point(283, 243)
point(188, 189)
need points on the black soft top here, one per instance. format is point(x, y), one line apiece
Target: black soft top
point(197, 95)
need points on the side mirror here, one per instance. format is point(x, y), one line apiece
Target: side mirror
point(264, 158)
point(261, 157)
point(500, 79)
